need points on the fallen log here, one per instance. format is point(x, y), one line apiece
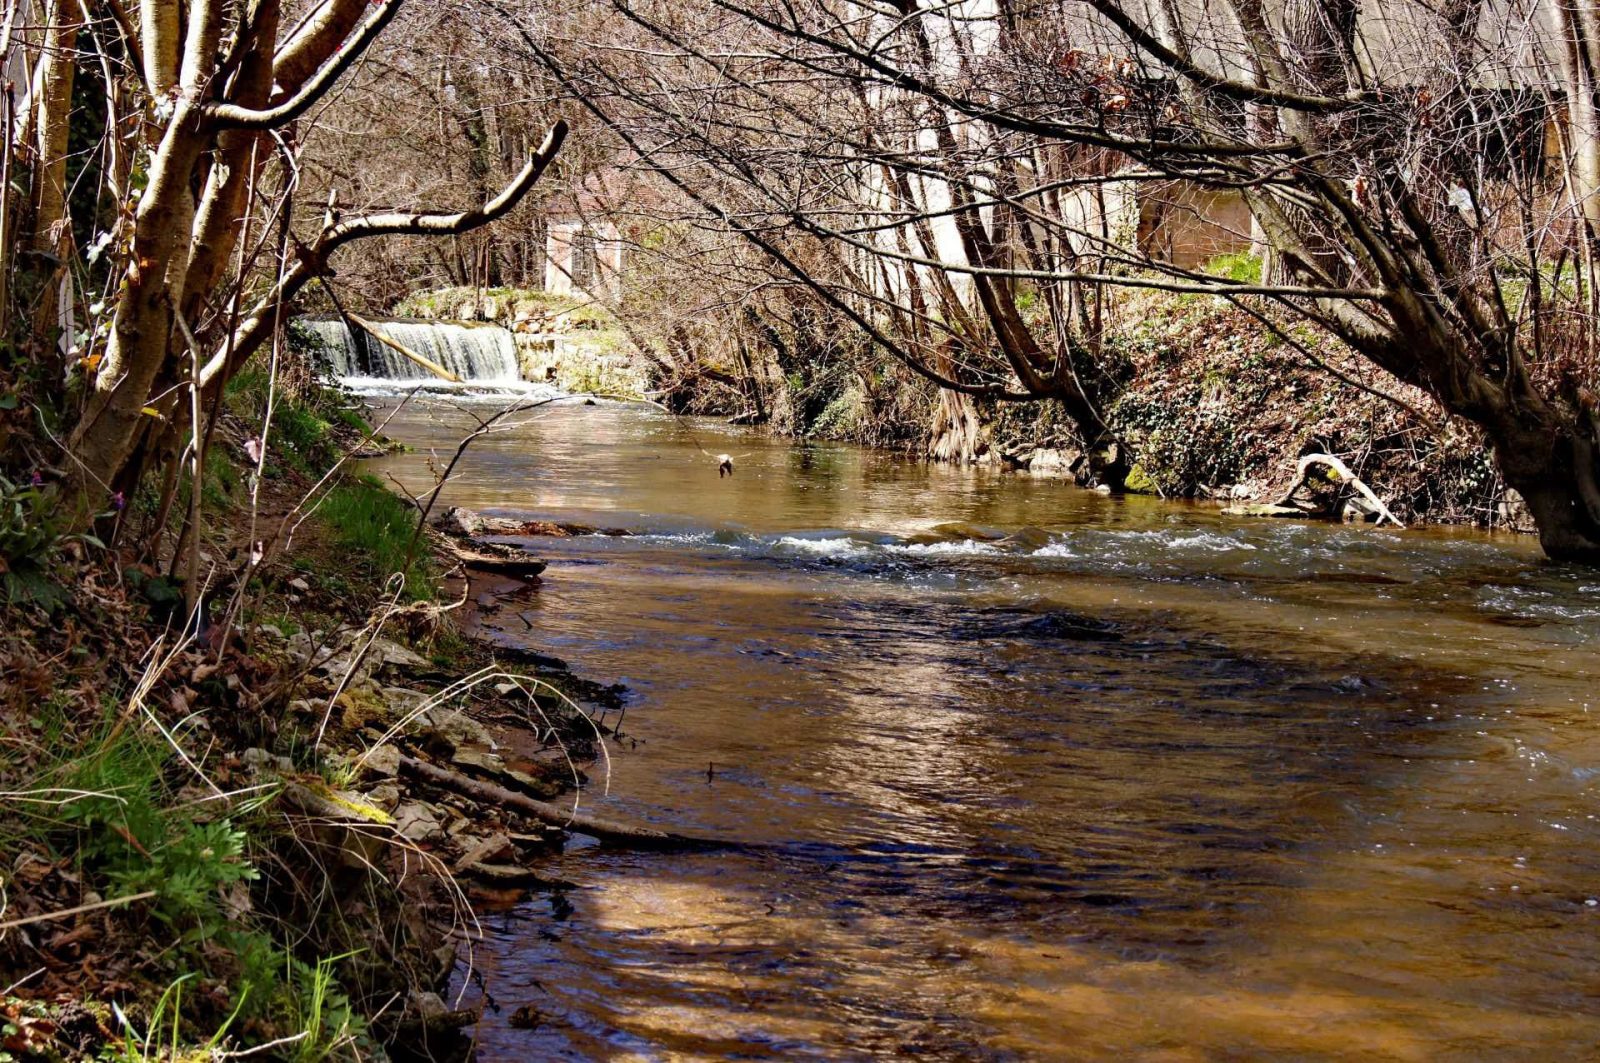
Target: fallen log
point(610, 831)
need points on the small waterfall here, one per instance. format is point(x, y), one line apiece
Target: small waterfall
point(481, 355)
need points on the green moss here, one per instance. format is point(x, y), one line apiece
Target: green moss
point(1139, 481)
point(1242, 267)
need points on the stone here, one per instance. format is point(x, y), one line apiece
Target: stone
point(455, 727)
point(478, 760)
point(403, 701)
point(428, 1005)
point(382, 761)
point(417, 822)
point(1513, 510)
point(360, 705)
point(258, 760)
point(460, 521)
point(496, 847)
point(299, 584)
point(386, 797)
point(387, 653)
point(1053, 462)
point(526, 1017)
point(505, 874)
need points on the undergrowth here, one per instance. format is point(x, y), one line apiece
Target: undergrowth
point(158, 899)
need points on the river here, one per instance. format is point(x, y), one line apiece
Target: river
point(1044, 774)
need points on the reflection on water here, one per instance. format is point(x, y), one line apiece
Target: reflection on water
point(1045, 774)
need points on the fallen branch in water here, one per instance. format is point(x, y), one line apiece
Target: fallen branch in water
point(1340, 473)
point(607, 830)
point(395, 345)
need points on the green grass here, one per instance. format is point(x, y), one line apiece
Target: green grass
point(1242, 267)
point(378, 528)
point(109, 793)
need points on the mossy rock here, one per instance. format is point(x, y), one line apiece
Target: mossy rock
point(1139, 482)
point(361, 707)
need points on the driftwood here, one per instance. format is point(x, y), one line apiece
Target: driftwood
point(1337, 472)
point(613, 832)
point(465, 524)
point(492, 557)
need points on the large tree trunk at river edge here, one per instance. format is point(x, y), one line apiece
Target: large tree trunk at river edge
point(1554, 470)
point(187, 315)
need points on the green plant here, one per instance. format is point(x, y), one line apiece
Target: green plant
point(1240, 266)
point(378, 527)
point(168, 1044)
point(32, 534)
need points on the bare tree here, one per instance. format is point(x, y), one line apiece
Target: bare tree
point(206, 102)
point(1421, 178)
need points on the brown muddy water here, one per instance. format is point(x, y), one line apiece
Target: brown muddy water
point(1136, 782)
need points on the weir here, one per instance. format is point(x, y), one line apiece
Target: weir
point(478, 354)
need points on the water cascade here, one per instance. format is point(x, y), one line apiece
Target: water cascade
point(481, 355)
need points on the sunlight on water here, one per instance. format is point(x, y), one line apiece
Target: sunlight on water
point(1044, 774)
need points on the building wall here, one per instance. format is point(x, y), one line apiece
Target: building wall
point(1188, 226)
point(583, 258)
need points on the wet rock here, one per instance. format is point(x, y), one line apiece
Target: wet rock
point(506, 874)
point(429, 1012)
point(500, 559)
point(416, 821)
point(1026, 539)
point(526, 1017)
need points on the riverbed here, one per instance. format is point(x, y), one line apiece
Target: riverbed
point(1039, 773)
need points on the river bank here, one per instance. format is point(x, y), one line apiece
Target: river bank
point(1211, 404)
point(283, 830)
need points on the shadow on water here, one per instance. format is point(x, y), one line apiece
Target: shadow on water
point(1044, 775)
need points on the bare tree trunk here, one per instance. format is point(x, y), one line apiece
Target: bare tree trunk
point(52, 98)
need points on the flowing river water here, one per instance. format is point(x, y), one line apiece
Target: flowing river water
point(1069, 777)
